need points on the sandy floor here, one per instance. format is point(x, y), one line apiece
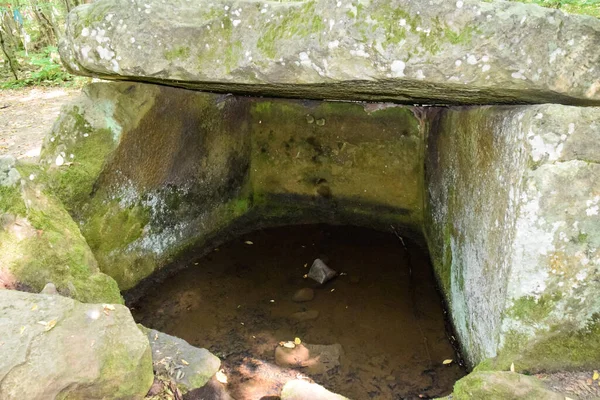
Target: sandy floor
point(26, 115)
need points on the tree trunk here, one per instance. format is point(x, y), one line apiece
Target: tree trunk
point(47, 26)
point(8, 53)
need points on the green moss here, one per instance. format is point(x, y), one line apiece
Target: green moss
point(11, 201)
point(177, 53)
point(139, 372)
point(109, 231)
point(73, 183)
point(500, 386)
point(299, 21)
point(560, 348)
point(533, 310)
point(53, 250)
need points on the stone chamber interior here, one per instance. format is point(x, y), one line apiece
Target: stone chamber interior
point(378, 330)
point(472, 185)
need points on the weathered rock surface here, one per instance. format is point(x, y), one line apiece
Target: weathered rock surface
point(405, 50)
point(190, 367)
point(302, 390)
point(502, 386)
point(155, 169)
point(55, 347)
point(40, 243)
point(514, 231)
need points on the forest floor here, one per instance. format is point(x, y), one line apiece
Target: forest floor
point(27, 115)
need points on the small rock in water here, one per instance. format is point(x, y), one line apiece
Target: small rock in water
point(320, 272)
point(304, 294)
point(305, 315)
point(50, 288)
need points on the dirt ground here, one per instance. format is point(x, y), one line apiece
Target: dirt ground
point(27, 115)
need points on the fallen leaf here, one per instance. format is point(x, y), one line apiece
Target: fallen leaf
point(512, 367)
point(108, 307)
point(22, 330)
point(248, 242)
point(34, 307)
point(184, 362)
point(297, 341)
point(221, 377)
point(50, 325)
point(595, 376)
point(448, 361)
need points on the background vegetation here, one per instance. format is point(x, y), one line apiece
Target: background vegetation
point(30, 30)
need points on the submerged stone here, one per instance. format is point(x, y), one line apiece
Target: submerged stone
point(409, 50)
point(56, 347)
point(304, 294)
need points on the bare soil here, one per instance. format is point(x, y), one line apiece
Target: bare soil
point(27, 115)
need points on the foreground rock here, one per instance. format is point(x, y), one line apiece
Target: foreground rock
point(41, 244)
point(302, 390)
point(409, 50)
point(55, 347)
point(190, 367)
point(502, 386)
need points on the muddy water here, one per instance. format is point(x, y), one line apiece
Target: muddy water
point(383, 309)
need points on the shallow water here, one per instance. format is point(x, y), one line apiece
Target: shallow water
point(383, 309)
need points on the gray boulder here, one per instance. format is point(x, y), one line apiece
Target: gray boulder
point(55, 347)
point(435, 51)
point(190, 367)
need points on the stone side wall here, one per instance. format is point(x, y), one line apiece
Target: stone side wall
point(149, 171)
point(512, 224)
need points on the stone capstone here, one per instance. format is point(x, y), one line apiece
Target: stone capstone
point(188, 366)
point(55, 347)
point(402, 50)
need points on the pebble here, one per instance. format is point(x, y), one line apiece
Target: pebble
point(304, 294)
point(305, 315)
point(50, 288)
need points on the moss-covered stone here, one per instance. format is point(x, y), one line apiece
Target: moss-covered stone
point(560, 348)
point(40, 243)
point(501, 386)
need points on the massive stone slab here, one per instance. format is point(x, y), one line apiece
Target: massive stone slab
point(514, 231)
point(413, 51)
point(55, 347)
